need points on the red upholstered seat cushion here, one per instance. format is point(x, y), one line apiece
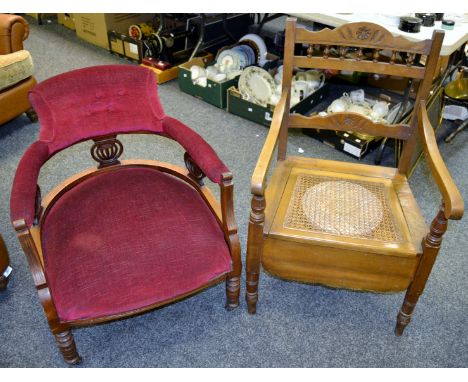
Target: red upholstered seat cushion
point(129, 239)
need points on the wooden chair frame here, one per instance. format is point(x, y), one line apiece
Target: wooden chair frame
point(363, 37)
point(30, 237)
point(4, 264)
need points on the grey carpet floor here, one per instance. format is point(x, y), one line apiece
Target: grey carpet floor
point(296, 325)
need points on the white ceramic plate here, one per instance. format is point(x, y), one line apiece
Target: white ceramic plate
point(258, 41)
point(229, 60)
point(256, 85)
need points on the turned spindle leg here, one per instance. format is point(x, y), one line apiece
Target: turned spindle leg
point(254, 251)
point(233, 280)
point(431, 245)
point(66, 344)
point(232, 292)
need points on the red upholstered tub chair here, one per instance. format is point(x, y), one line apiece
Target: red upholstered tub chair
point(129, 235)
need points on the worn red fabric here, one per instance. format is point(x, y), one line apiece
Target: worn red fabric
point(128, 239)
point(94, 101)
point(23, 194)
point(203, 155)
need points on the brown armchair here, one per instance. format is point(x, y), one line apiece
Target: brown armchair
point(349, 225)
point(14, 101)
point(127, 236)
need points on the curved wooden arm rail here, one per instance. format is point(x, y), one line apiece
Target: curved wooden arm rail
point(258, 181)
point(340, 224)
point(453, 201)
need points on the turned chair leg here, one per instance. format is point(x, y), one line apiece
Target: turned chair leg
point(431, 245)
point(233, 280)
point(254, 251)
point(67, 347)
point(232, 292)
point(32, 115)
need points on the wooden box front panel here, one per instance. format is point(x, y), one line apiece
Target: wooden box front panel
point(340, 268)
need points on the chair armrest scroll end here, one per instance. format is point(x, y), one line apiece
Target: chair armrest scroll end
point(257, 185)
point(226, 177)
point(454, 209)
point(20, 225)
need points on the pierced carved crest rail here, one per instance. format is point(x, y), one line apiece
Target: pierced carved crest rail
point(360, 46)
point(363, 35)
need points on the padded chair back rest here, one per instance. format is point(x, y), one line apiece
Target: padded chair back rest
point(327, 49)
point(96, 101)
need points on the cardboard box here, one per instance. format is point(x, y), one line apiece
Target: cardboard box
point(172, 73)
point(133, 48)
point(215, 93)
point(125, 46)
point(67, 20)
point(264, 114)
point(93, 27)
point(116, 44)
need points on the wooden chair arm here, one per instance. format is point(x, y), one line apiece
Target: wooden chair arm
point(258, 181)
point(230, 230)
point(454, 206)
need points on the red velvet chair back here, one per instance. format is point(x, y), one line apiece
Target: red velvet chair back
point(108, 99)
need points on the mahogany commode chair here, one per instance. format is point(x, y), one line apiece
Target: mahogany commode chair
point(129, 235)
point(349, 225)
